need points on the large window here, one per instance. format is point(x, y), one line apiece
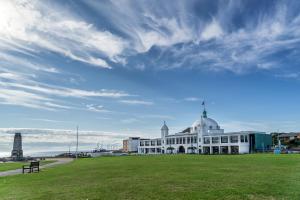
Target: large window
point(246, 138)
point(168, 141)
point(188, 140)
point(158, 142)
point(242, 138)
point(206, 150)
point(224, 150)
point(173, 140)
point(224, 139)
point(195, 139)
point(234, 149)
point(146, 143)
point(206, 140)
point(215, 140)
point(183, 140)
point(152, 142)
point(177, 140)
point(215, 150)
point(234, 139)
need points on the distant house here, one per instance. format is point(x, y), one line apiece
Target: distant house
point(290, 140)
point(131, 144)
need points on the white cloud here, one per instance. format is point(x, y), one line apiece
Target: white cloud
point(130, 120)
point(96, 108)
point(41, 26)
point(191, 99)
point(26, 27)
point(47, 120)
point(212, 30)
point(136, 102)
point(293, 75)
point(18, 89)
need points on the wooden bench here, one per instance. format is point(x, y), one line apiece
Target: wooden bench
point(34, 166)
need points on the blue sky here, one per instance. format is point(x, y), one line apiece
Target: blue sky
point(119, 68)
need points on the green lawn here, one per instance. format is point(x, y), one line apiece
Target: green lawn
point(162, 177)
point(18, 165)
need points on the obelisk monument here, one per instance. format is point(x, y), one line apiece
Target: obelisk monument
point(17, 152)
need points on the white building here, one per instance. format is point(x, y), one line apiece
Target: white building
point(205, 136)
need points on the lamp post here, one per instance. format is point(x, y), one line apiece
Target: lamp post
point(77, 143)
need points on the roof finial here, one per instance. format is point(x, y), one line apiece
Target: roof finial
point(164, 122)
point(204, 115)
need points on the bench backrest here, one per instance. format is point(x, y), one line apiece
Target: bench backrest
point(34, 164)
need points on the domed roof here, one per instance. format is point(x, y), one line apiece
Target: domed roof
point(207, 122)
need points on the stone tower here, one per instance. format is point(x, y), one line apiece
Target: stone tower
point(17, 152)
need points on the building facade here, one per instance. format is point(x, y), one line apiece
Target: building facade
point(205, 136)
point(131, 144)
point(17, 152)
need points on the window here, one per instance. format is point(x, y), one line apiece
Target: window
point(215, 150)
point(177, 140)
point(141, 143)
point(206, 140)
point(195, 139)
point(234, 149)
point(152, 142)
point(234, 139)
point(215, 140)
point(199, 139)
point(173, 140)
point(180, 140)
point(146, 143)
point(183, 140)
point(224, 150)
point(168, 140)
point(224, 139)
point(210, 127)
point(188, 140)
point(242, 138)
point(158, 142)
point(246, 138)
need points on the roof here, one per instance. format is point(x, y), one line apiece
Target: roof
point(288, 134)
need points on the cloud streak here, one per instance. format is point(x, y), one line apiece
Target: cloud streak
point(137, 102)
point(36, 26)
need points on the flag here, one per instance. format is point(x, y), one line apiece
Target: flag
point(203, 103)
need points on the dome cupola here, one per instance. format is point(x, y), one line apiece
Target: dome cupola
point(164, 127)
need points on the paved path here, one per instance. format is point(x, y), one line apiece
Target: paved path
point(58, 161)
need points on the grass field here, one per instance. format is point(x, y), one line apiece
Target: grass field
point(18, 165)
point(162, 177)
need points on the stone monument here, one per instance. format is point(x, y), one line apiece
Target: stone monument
point(17, 152)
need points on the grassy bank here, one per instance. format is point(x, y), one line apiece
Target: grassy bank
point(162, 177)
point(18, 165)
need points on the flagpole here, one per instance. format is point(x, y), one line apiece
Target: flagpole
point(77, 143)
